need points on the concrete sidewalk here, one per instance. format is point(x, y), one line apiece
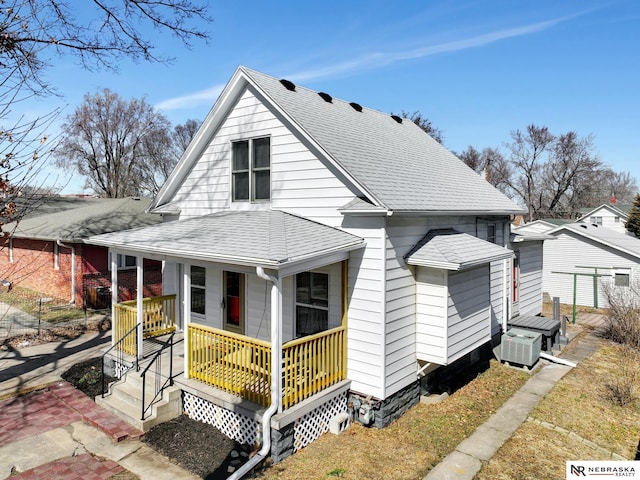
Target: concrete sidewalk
point(468, 457)
point(56, 431)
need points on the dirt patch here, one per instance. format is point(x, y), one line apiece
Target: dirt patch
point(87, 377)
point(197, 447)
point(54, 334)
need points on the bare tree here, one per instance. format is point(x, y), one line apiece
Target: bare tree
point(34, 32)
point(491, 164)
point(108, 140)
point(571, 169)
point(528, 150)
point(163, 149)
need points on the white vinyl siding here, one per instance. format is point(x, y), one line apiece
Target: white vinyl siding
point(365, 323)
point(468, 323)
point(405, 334)
point(530, 300)
point(607, 218)
point(431, 312)
point(570, 250)
point(300, 183)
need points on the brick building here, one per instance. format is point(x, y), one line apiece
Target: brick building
point(46, 251)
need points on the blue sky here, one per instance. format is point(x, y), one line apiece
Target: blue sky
point(476, 69)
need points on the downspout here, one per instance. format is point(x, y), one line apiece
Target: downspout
point(276, 374)
point(73, 269)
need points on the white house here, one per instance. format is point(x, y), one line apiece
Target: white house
point(608, 216)
point(323, 255)
point(591, 256)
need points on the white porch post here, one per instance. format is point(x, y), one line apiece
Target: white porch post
point(186, 313)
point(276, 336)
point(276, 340)
point(139, 297)
point(113, 258)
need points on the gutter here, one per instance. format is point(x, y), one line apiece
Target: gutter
point(276, 376)
point(73, 269)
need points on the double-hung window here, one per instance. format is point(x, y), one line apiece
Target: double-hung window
point(198, 289)
point(251, 170)
point(312, 303)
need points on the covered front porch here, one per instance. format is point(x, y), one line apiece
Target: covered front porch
point(268, 331)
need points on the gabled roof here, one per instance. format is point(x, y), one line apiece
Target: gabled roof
point(77, 220)
point(615, 209)
point(606, 236)
point(451, 250)
point(396, 165)
point(539, 226)
point(267, 238)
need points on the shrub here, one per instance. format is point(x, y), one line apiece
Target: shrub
point(621, 388)
point(623, 317)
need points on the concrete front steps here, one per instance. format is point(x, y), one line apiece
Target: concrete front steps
point(125, 400)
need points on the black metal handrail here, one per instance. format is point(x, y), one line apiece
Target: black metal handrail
point(120, 356)
point(157, 361)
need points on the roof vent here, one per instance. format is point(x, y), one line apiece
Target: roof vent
point(325, 96)
point(397, 118)
point(584, 226)
point(357, 107)
point(288, 85)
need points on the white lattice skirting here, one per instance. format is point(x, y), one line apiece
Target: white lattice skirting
point(308, 428)
point(234, 425)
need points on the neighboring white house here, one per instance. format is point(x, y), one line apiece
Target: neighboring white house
point(609, 216)
point(583, 248)
point(294, 216)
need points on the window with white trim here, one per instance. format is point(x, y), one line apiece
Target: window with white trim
point(251, 170)
point(312, 303)
point(596, 221)
point(616, 219)
point(198, 289)
point(123, 262)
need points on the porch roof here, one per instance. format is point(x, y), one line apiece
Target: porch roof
point(267, 238)
point(452, 250)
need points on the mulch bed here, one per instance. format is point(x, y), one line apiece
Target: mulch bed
point(197, 447)
point(87, 377)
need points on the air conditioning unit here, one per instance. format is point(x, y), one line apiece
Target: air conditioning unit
point(521, 347)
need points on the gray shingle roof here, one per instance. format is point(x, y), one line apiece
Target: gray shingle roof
point(452, 250)
point(264, 238)
point(398, 163)
point(607, 236)
point(74, 221)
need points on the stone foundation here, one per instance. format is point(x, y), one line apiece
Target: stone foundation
point(388, 410)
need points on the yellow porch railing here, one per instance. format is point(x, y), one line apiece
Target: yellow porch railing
point(159, 318)
point(234, 363)
point(311, 364)
point(242, 366)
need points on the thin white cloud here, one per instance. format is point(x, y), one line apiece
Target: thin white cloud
point(196, 99)
point(378, 60)
point(372, 61)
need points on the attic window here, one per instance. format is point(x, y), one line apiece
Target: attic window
point(288, 85)
point(357, 107)
point(397, 118)
point(326, 97)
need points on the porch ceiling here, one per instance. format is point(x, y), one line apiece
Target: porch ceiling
point(452, 250)
point(267, 238)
